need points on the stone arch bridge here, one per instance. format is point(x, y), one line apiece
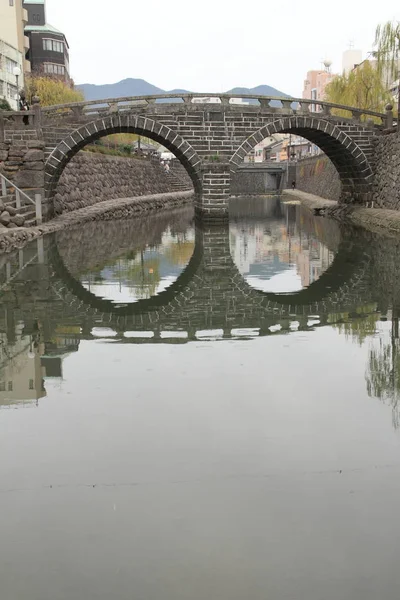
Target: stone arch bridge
point(210, 134)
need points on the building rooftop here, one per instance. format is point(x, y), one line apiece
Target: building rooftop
point(44, 28)
point(34, 1)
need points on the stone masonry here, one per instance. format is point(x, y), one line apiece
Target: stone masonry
point(386, 190)
point(210, 140)
point(91, 178)
point(318, 175)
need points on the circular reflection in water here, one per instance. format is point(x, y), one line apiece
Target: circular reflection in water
point(280, 247)
point(144, 272)
point(127, 261)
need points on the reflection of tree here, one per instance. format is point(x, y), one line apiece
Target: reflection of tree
point(180, 253)
point(382, 376)
point(142, 274)
point(357, 326)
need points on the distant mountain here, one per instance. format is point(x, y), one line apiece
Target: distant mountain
point(262, 90)
point(140, 87)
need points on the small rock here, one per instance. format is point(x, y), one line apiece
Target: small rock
point(12, 225)
point(11, 210)
point(5, 217)
point(19, 220)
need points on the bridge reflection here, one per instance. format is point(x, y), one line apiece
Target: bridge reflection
point(46, 310)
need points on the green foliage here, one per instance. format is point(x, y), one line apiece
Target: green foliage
point(383, 375)
point(51, 91)
point(361, 88)
point(4, 105)
point(107, 150)
point(387, 53)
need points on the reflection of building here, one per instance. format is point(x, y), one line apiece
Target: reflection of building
point(64, 341)
point(26, 361)
point(278, 245)
point(21, 372)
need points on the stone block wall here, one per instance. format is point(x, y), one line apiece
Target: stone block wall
point(386, 189)
point(317, 175)
point(22, 162)
point(91, 178)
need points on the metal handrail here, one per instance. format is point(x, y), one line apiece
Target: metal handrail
point(4, 191)
point(188, 98)
point(37, 202)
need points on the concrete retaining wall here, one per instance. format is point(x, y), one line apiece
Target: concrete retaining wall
point(92, 178)
point(256, 179)
point(318, 175)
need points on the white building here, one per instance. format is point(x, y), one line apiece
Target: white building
point(13, 45)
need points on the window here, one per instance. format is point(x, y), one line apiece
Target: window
point(10, 386)
point(11, 2)
point(2, 386)
point(53, 45)
point(36, 18)
point(11, 91)
point(10, 64)
point(52, 69)
point(31, 387)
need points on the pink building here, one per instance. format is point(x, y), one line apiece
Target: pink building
point(315, 84)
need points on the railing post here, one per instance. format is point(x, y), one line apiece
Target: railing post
point(3, 186)
point(40, 250)
point(37, 117)
point(2, 131)
point(17, 199)
point(38, 206)
point(389, 116)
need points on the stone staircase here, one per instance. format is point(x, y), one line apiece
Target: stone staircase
point(179, 180)
point(16, 202)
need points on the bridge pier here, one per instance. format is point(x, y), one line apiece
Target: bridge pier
point(213, 203)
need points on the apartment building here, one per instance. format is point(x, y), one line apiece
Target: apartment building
point(315, 85)
point(13, 48)
point(49, 50)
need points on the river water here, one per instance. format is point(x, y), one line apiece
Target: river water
point(196, 412)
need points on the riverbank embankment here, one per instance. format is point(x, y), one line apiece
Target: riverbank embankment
point(122, 208)
point(376, 220)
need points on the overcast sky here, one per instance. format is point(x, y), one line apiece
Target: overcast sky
point(213, 45)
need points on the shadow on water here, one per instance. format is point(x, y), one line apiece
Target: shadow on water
point(164, 280)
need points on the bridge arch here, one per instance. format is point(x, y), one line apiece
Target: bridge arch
point(349, 159)
point(120, 123)
point(332, 292)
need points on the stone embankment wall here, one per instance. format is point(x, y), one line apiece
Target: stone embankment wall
point(386, 193)
point(110, 210)
point(92, 178)
point(318, 175)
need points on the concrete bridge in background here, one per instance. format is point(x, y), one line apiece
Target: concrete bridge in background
point(210, 138)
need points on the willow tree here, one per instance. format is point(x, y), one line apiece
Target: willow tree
point(51, 91)
point(361, 88)
point(387, 54)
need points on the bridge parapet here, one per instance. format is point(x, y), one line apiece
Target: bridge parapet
point(197, 101)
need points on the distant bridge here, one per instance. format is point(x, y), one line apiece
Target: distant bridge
point(210, 138)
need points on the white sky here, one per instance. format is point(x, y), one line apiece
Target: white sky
point(213, 45)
